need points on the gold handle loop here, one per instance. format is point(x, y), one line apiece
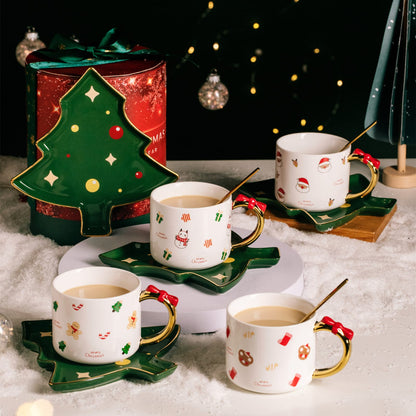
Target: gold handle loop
point(145, 295)
point(373, 165)
point(259, 227)
point(325, 372)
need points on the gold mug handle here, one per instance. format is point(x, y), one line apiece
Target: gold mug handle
point(258, 208)
point(345, 334)
point(170, 302)
point(373, 164)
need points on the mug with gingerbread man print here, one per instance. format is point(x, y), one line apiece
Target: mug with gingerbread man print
point(313, 173)
point(96, 314)
point(268, 349)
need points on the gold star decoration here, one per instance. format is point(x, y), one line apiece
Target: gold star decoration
point(129, 260)
point(219, 276)
point(83, 375)
point(91, 94)
point(111, 159)
point(50, 177)
point(324, 217)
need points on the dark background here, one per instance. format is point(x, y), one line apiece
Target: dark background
point(348, 34)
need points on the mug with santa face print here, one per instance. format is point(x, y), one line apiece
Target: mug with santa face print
point(313, 174)
point(190, 230)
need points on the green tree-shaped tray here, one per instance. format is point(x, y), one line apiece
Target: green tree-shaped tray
point(94, 158)
point(323, 221)
point(136, 258)
point(70, 376)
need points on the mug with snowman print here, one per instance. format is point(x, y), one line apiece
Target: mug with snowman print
point(313, 174)
point(190, 230)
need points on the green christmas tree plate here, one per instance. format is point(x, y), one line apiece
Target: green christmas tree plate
point(93, 159)
point(324, 221)
point(136, 258)
point(71, 376)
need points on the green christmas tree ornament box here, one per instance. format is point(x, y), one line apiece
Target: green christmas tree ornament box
point(96, 137)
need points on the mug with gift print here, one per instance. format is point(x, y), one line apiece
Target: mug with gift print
point(190, 230)
point(96, 315)
point(312, 172)
point(268, 349)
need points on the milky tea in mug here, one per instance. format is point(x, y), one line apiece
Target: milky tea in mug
point(270, 316)
point(190, 201)
point(95, 291)
point(268, 350)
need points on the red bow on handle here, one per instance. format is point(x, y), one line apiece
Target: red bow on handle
point(367, 158)
point(163, 295)
point(336, 326)
point(252, 202)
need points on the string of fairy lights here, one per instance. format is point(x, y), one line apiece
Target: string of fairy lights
point(212, 97)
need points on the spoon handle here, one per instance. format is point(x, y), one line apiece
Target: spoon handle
point(361, 134)
point(238, 186)
point(307, 316)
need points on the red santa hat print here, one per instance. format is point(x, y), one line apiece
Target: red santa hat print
point(324, 165)
point(302, 185)
point(278, 158)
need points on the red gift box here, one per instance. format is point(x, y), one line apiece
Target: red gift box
point(141, 81)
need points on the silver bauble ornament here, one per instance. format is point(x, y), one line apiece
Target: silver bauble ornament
point(213, 95)
point(29, 44)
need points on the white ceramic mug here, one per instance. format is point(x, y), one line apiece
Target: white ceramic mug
point(313, 174)
point(102, 330)
point(277, 359)
point(196, 238)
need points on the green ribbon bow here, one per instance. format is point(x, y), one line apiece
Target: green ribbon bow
point(65, 52)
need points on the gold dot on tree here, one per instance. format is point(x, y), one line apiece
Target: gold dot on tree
point(75, 128)
point(92, 185)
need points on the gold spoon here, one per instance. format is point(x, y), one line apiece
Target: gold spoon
point(307, 316)
point(238, 186)
point(361, 134)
